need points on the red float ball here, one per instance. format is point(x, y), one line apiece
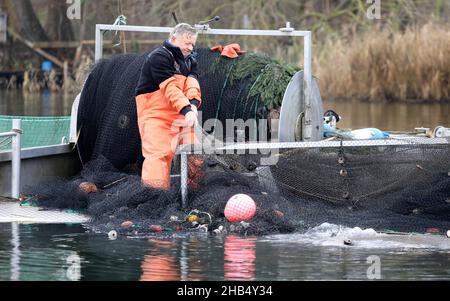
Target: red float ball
point(240, 207)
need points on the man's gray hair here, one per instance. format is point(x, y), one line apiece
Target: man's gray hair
point(181, 29)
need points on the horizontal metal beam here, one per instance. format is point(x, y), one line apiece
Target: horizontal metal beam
point(104, 27)
point(317, 144)
point(346, 143)
point(234, 32)
point(7, 134)
point(35, 152)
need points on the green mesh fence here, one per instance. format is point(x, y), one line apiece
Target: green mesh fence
point(36, 131)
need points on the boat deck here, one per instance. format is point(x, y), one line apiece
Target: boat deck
point(12, 211)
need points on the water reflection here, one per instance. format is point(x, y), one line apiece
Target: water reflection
point(186, 259)
point(390, 116)
point(173, 260)
point(160, 264)
point(67, 252)
point(15, 253)
point(35, 252)
point(44, 103)
point(240, 258)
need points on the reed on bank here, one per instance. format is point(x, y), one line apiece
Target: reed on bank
point(380, 65)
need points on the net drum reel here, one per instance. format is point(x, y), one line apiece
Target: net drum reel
point(441, 132)
point(296, 114)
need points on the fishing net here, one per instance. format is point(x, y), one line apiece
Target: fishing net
point(402, 188)
point(389, 188)
point(119, 198)
point(107, 118)
point(243, 88)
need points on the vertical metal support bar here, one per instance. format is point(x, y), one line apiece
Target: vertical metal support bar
point(98, 43)
point(307, 84)
point(16, 156)
point(184, 179)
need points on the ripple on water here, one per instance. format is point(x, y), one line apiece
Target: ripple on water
point(331, 235)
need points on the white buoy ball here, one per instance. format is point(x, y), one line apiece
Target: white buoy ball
point(112, 234)
point(448, 233)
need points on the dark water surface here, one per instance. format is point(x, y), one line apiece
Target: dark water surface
point(67, 252)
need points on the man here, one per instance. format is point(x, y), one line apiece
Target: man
point(167, 97)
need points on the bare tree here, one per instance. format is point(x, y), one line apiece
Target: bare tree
point(58, 26)
point(24, 21)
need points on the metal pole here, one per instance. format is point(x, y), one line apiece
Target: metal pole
point(98, 43)
point(307, 84)
point(184, 179)
point(238, 32)
point(16, 157)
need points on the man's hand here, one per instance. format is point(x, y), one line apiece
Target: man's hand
point(191, 119)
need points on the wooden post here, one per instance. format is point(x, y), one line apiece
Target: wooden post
point(37, 50)
point(66, 76)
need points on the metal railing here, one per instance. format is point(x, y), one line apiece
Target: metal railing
point(15, 135)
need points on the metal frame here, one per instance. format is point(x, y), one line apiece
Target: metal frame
point(336, 143)
point(16, 156)
point(228, 148)
point(283, 32)
point(205, 29)
point(38, 151)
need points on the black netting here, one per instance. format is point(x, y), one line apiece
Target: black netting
point(120, 197)
point(391, 188)
point(224, 96)
point(401, 188)
point(107, 118)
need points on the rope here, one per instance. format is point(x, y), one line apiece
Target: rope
point(120, 20)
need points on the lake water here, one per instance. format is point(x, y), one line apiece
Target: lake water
point(45, 103)
point(70, 252)
point(354, 113)
point(67, 252)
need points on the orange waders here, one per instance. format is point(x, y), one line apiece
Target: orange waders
point(162, 127)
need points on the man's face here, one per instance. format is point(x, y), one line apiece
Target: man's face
point(185, 42)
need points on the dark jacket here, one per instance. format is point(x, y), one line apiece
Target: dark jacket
point(161, 64)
